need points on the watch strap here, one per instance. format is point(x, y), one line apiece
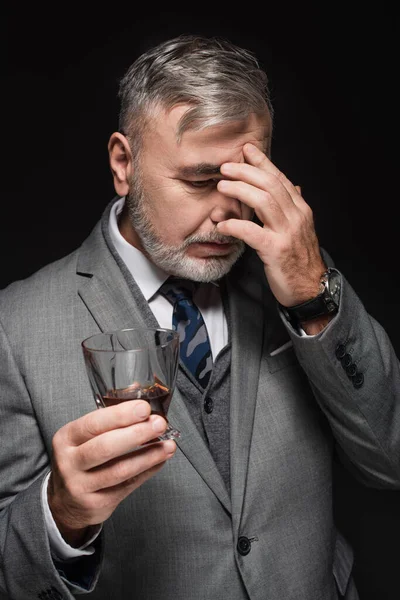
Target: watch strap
point(311, 309)
point(319, 306)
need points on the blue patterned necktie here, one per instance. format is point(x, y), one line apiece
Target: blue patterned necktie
point(195, 349)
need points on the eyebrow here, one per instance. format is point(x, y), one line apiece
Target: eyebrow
point(199, 169)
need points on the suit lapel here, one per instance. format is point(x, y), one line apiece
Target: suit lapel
point(195, 449)
point(105, 290)
point(245, 296)
point(108, 307)
point(114, 300)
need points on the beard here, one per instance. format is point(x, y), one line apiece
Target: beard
point(174, 259)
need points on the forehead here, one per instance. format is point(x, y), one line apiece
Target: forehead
point(214, 145)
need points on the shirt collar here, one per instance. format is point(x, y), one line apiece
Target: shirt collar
point(147, 275)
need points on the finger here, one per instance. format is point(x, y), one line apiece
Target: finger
point(98, 505)
point(252, 234)
point(117, 442)
point(129, 467)
point(262, 180)
point(267, 208)
point(105, 419)
point(115, 494)
point(254, 156)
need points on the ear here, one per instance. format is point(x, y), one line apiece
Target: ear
point(120, 157)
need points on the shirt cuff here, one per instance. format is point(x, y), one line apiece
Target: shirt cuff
point(299, 330)
point(302, 333)
point(60, 550)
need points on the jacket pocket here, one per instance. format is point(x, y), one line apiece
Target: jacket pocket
point(281, 357)
point(342, 563)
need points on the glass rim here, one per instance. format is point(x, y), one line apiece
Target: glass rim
point(84, 342)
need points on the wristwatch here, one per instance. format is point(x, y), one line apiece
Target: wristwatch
point(326, 303)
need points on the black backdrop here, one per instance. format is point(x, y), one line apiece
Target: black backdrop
point(333, 83)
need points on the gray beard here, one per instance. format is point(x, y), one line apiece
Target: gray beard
point(173, 259)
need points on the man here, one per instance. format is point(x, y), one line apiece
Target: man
point(241, 506)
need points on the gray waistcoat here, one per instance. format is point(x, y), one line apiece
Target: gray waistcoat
point(209, 408)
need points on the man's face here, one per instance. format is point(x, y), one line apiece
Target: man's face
point(174, 204)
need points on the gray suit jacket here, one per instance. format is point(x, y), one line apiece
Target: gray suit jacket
point(176, 536)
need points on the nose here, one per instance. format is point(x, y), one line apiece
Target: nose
point(224, 207)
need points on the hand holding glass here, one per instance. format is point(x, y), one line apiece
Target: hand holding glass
point(133, 364)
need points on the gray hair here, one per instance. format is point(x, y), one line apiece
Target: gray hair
point(222, 82)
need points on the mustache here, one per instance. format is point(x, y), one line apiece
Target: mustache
point(212, 237)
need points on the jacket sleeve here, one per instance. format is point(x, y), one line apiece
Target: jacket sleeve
point(355, 375)
point(27, 569)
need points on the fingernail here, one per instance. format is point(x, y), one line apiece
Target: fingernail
point(222, 184)
point(170, 447)
point(158, 424)
point(142, 409)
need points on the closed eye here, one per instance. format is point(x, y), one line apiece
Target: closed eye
point(202, 183)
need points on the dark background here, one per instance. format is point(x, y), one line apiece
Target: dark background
point(333, 78)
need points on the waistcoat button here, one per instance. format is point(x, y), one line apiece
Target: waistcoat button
point(208, 405)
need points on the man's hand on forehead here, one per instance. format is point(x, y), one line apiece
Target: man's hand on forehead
point(286, 242)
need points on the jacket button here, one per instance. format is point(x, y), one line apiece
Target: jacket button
point(243, 545)
point(340, 351)
point(358, 380)
point(346, 360)
point(351, 370)
point(208, 405)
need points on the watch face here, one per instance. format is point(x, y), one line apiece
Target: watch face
point(334, 286)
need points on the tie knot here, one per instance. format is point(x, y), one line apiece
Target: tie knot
point(178, 289)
